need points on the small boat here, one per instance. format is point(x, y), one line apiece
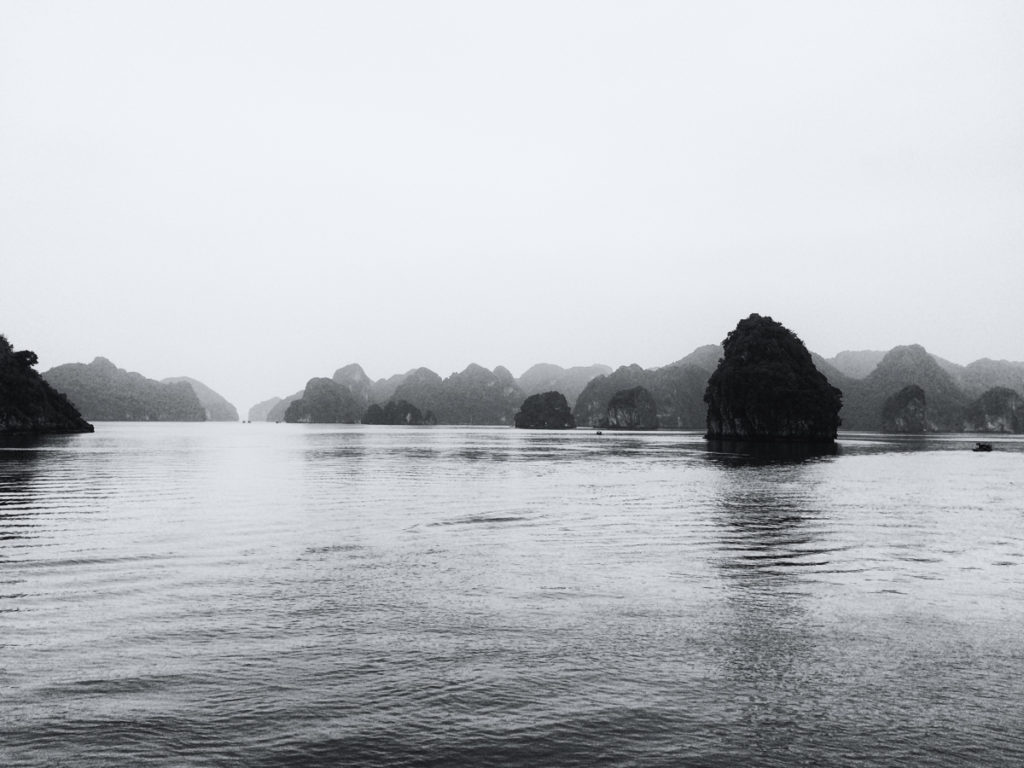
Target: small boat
point(983, 447)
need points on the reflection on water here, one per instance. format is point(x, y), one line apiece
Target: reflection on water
point(741, 453)
point(219, 594)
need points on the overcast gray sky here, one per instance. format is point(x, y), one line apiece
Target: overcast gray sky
point(256, 193)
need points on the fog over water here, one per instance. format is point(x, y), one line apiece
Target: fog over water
point(253, 194)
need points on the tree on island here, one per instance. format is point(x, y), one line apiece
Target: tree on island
point(766, 388)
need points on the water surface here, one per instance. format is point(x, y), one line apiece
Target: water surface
point(265, 595)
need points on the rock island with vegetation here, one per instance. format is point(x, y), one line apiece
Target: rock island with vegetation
point(767, 388)
point(28, 404)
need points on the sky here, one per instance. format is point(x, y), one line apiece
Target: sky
point(256, 193)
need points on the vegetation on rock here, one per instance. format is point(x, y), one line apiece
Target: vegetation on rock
point(766, 387)
point(28, 404)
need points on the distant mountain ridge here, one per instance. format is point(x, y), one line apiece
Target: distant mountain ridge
point(103, 392)
point(868, 379)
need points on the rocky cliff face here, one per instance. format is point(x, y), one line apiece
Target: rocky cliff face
point(906, 412)
point(1000, 409)
point(766, 388)
point(28, 404)
point(104, 392)
point(546, 410)
point(632, 408)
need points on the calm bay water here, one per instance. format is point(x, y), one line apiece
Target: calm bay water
point(266, 595)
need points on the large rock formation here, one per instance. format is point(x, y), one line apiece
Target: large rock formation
point(216, 406)
point(28, 404)
point(906, 412)
point(632, 408)
point(547, 410)
point(324, 401)
point(766, 388)
point(104, 392)
point(1000, 409)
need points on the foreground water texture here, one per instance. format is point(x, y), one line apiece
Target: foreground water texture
point(273, 595)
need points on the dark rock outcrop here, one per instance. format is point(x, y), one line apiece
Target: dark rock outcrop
point(547, 410)
point(396, 412)
point(632, 408)
point(906, 412)
point(103, 392)
point(216, 406)
point(324, 401)
point(1000, 409)
point(766, 388)
point(28, 404)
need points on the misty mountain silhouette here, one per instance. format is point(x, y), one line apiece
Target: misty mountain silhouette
point(104, 392)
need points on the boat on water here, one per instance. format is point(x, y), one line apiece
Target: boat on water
point(982, 447)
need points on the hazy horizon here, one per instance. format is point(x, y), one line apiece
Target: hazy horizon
point(253, 194)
